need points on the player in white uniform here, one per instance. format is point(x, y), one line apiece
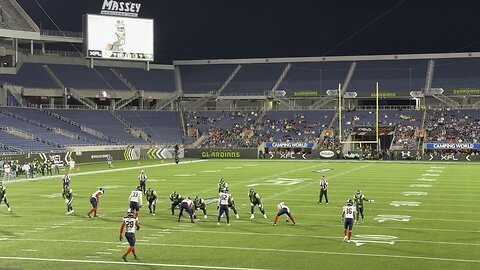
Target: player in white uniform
point(283, 209)
point(71, 163)
point(130, 224)
point(187, 205)
point(136, 200)
point(348, 219)
point(223, 201)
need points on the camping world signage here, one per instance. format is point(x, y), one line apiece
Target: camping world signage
point(453, 145)
point(120, 8)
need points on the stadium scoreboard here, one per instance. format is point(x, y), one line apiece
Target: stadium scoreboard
point(115, 37)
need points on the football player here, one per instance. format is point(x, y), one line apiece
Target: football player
point(283, 209)
point(358, 198)
point(348, 219)
point(142, 178)
point(176, 200)
point(130, 224)
point(66, 180)
point(255, 199)
point(187, 205)
point(222, 185)
point(199, 204)
point(231, 205)
point(3, 196)
point(152, 198)
point(223, 200)
point(94, 200)
point(136, 200)
point(67, 194)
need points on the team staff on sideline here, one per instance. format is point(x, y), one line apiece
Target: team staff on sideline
point(130, 224)
point(348, 219)
point(323, 190)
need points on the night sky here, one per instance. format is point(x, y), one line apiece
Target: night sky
point(189, 29)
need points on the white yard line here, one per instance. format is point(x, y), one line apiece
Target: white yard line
point(101, 171)
point(276, 251)
point(90, 262)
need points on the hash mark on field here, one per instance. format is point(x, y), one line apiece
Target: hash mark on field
point(435, 167)
point(211, 171)
point(426, 179)
point(415, 193)
point(113, 249)
point(41, 228)
point(19, 233)
point(104, 253)
point(434, 171)
point(420, 185)
point(186, 175)
point(430, 174)
point(29, 250)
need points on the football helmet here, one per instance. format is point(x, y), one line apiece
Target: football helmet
point(358, 192)
point(102, 190)
point(139, 188)
point(221, 181)
point(349, 202)
point(251, 191)
point(130, 213)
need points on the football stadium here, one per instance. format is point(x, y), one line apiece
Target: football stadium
point(113, 159)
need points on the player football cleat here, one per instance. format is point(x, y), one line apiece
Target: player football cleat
point(362, 220)
point(73, 211)
point(135, 257)
point(218, 223)
point(274, 224)
point(345, 239)
point(252, 216)
point(124, 257)
point(89, 215)
point(9, 209)
point(153, 214)
point(348, 241)
point(228, 224)
point(237, 216)
point(205, 216)
point(264, 215)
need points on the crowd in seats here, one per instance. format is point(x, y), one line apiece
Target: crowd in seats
point(453, 126)
point(247, 129)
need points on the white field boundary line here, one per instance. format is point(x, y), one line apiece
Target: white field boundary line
point(389, 256)
point(125, 263)
point(409, 209)
point(389, 199)
point(326, 237)
point(102, 171)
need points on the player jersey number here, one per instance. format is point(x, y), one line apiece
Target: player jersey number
point(129, 223)
point(349, 211)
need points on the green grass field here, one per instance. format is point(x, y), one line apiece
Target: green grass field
point(438, 230)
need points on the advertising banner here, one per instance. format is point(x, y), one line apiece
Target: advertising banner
point(208, 153)
point(438, 145)
point(289, 145)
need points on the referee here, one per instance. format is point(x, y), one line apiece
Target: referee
point(323, 190)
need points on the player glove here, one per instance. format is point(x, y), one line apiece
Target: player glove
point(120, 238)
point(372, 201)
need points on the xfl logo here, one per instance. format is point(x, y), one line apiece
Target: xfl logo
point(95, 53)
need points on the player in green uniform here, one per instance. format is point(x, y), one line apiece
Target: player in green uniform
point(67, 194)
point(199, 204)
point(176, 200)
point(152, 198)
point(255, 199)
point(358, 199)
point(231, 205)
point(222, 185)
point(3, 196)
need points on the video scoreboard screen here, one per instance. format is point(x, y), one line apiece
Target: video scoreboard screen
point(112, 37)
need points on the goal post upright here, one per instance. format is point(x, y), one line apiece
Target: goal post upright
point(376, 117)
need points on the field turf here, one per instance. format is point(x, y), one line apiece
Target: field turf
point(425, 216)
